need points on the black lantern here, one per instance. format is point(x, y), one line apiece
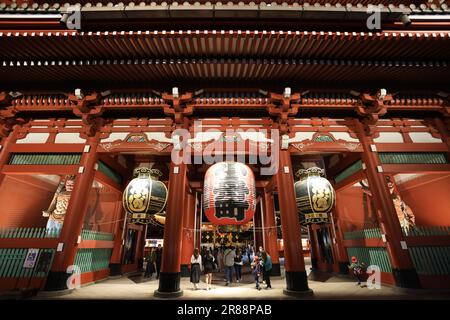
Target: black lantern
point(314, 195)
point(145, 195)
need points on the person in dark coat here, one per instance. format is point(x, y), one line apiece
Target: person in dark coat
point(266, 268)
point(209, 265)
point(196, 267)
point(158, 260)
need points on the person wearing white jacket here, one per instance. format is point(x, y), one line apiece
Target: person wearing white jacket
point(196, 267)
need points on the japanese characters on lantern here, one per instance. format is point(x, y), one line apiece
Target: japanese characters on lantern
point(314, 195)
point(229, 195)
point(145, 195)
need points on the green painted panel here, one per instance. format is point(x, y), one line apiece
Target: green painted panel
point(29, 233)
point(412, 158)
point(45, 158)
point(96, 235)
point(363, 234)
point(89, 260)
point(371, 256)
point(431, 260)
point(12, 260)
point(105, 169)
point(347, 172)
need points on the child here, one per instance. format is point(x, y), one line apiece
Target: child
point(357, 269)
point(256, 271)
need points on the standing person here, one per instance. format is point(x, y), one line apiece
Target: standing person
point(219, 259)
point(158, 260)
point(266, 268)
point(228, 261)
point(259, 254)
point(256, 271)
point(196, 266)
point(209, 265)
point(249, 254)
point(238, 265)
point(151, 263)
point(357, 269)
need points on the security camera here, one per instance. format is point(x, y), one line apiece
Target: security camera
point(79, 94)
point(406, 20)
point(381, 94)
point(287, 92)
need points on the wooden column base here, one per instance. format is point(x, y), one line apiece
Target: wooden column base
point(56, 281)
point(406, 278)
point(115, 269)
point(169, 285)
point(296, 281)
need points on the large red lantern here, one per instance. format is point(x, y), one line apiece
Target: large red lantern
point(229, 195)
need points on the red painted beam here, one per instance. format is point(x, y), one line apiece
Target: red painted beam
point(373, 242)
point(96, 244)
point(47, 147)
point(411, 147)
point(40, 169)
point(45, 243)
point(433, 241)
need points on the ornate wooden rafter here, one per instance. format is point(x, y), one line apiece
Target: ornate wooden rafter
point(178, 108)
point(282, 106)
point(89, 110)
point(8, 113)
point(371, 108)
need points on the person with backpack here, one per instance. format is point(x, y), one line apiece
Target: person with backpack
point(228, 261)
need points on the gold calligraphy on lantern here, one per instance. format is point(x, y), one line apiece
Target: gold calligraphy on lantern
point(322, 195)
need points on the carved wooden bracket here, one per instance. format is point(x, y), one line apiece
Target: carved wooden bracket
point(8, 117)
point(281, 107)
point(89, 110)
point(178, 108)
point(446, 107)
point(371, 108)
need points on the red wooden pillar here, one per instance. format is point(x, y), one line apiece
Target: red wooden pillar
point(5, 147)
point(402, 265)
point(198, 222)
point(258, 228)
point(74, 218)
point(270, 232)
point(342, 256)
point(187, 247)
point(314, 248)
point(294, 264)
point(442, 128)
point(169, 279)
point(116, 256)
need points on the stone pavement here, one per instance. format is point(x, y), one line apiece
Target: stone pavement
point(335, 287)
